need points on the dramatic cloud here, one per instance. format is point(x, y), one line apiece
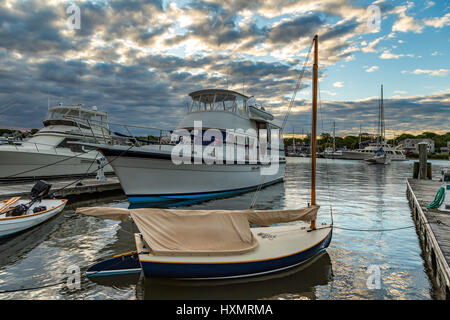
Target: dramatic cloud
point(139, 59)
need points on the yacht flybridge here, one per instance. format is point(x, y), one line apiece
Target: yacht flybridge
point(50, 152)
point(215, 151)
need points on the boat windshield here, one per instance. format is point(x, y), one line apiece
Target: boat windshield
point(77, 114)
point(219, 102)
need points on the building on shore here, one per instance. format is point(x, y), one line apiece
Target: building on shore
point(412, 145)
point(446, 150)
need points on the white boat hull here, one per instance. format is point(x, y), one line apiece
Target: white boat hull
point(17, 164)
point(13, 225)
point(146, 179)
point(355, 155)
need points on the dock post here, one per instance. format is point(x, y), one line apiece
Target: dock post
point(423, 146)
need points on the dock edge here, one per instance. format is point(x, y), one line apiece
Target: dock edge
point(434, 257)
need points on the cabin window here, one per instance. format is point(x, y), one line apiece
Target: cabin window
point(241, 106)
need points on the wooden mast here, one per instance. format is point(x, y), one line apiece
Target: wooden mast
point(314, 125)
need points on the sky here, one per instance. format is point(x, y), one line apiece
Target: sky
point(138, 60)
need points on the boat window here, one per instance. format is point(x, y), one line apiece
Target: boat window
point(73, 147)
point(212, 101)
point(241, 106)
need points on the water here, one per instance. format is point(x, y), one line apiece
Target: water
point(361, 197)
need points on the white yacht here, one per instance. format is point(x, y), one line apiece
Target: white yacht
point(394, 153)
point(149, 174)
point(49, 153)
point(331, 153)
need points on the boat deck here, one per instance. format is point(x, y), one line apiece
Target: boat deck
point(433, 227)
point(88, 187)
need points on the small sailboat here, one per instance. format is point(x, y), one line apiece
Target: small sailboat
point(219, 244)
point(18, 214)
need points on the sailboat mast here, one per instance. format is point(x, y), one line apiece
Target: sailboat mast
point(334, 136)
point(293, 141)
point(382, 117)
point(314, 125)
point(360, 127)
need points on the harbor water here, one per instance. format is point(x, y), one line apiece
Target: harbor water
point(358, 264)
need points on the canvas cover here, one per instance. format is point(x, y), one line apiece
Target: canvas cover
point(181, 232)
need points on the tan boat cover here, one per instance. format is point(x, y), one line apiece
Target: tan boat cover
point(190, 232)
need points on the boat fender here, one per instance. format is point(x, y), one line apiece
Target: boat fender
point(39, 209)
point(19, 210)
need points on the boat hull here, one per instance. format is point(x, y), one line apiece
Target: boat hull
point(127, 263)
point(10, 226)
point(156, 178)
point(28, 164)
point(353, 155)
point(267, 258)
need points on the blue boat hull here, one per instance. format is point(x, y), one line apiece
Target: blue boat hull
point(127, 263)
point(232, 270)
point(141, 199)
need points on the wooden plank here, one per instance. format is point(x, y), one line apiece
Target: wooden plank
point(8, 203)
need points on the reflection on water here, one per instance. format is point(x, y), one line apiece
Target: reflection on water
point(360, 196)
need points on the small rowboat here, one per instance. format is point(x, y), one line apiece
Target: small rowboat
point(38, 212)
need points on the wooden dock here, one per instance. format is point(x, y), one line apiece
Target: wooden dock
point(433, 228)
point(87, 187)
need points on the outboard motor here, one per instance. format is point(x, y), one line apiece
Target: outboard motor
point(40, 190)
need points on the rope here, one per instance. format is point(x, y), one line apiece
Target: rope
point(87, 173)
point(33, 288)
point(255, 195)
point(438, 200)
point(299, 81)
point(386, 230)
point(326, 160)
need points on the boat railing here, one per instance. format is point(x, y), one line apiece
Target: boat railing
point(132, 134)
point(36, 146)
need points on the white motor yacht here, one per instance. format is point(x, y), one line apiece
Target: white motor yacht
point(49, 153)
point(149, 174)
point(394, 153)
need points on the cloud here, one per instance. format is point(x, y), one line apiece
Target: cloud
point(138, 60)
point(406, 23)
point(388, 55)
point(372, 69)
point(414, 114)
point(438, 72)
point(438, 22)
point(291, 30)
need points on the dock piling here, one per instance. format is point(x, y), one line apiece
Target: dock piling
point(423, 160)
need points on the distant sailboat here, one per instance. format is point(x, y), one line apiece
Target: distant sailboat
point(380, 157)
